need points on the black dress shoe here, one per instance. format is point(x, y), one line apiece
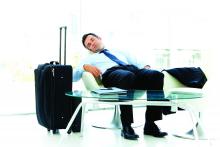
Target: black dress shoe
point(153, 130)
point(128, 133)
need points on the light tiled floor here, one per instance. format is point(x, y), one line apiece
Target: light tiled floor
point(23, 130)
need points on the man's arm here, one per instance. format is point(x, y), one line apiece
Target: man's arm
point(92, 69)
point(77, 73)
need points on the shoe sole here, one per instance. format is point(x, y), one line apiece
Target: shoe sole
point(155, 135)
point(122, 134)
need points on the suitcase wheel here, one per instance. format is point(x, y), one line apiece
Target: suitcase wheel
point(55, 131)
point(76, 129)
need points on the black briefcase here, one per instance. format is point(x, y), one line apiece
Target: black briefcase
point(53, 108)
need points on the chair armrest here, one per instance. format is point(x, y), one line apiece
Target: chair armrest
point(171, 82)
point(89, 81)
point(172, 85)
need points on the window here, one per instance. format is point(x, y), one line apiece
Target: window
point(161, 31)
point(30, 36)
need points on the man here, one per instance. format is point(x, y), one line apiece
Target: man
point(123, 72)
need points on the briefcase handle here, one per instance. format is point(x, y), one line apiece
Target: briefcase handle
point(54, 62)
point(64, 45)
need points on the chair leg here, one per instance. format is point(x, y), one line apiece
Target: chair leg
point(114, 124)
point(199, 128)
point(116, 121)
point(195, 133)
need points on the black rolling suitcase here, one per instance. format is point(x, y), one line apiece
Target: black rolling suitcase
point(53, 108)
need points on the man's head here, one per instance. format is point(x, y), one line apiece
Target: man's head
point(92, 42)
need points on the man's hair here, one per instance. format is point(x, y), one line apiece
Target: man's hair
point(85, 36)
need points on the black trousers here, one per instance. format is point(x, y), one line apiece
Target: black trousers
point(130, 77)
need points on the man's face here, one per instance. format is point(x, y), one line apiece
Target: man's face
point(93, 43)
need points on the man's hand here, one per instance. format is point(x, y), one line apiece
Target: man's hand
point(92, 69)
point(147, 66)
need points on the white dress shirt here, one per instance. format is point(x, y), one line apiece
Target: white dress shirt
point(103, 63)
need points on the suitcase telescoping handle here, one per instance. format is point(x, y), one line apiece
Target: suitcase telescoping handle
point(63, 29)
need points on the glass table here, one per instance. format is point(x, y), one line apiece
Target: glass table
point(135, 97)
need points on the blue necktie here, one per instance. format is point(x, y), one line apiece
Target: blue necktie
point(112, 57)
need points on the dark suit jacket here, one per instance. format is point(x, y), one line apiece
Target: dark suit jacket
point(189, 76)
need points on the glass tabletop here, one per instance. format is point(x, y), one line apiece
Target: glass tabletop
point(150, 95)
